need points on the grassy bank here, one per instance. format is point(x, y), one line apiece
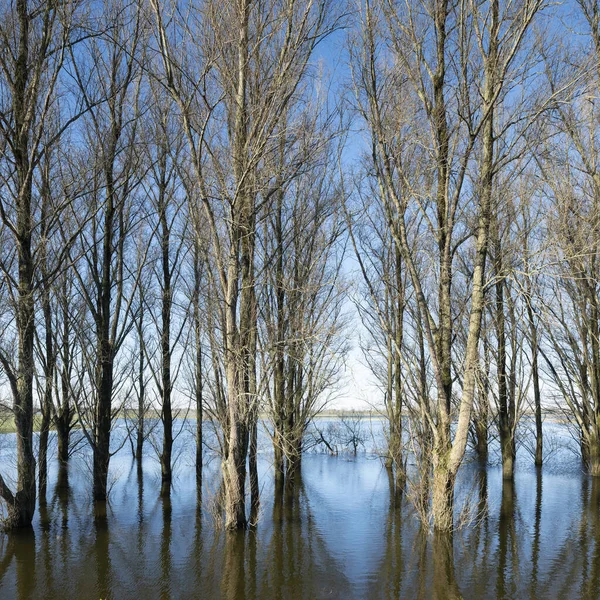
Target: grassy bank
point(7, 423)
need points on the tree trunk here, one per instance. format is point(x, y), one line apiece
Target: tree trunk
point(448, 456)
point(199, 404)
point(234, 477)
point(593, 454)
point(482, 420)
point(442, 502)
point(481, 435)
point(533, 338)
point(240, 265)
point(62, 419)
point(398, 392)
point(253, 467)
point(505, 418)
point(101, 450)
point(198, 363)
point(167, 413)
point(103, 416)
point(141, 409)
point(43, 455)
point(62, 438)
point(21, 505)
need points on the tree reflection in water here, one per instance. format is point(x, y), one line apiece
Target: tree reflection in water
point(340, 530)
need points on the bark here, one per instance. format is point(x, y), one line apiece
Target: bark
point(442, 493)
point(481, 434)
point(279, 390)
point(505, 415)
point(253, 467)
point(198, 364)
point(64, 413)
point(141, 408)
point(482, 417)
point(240, 265)
point(447, 455)
point(166, 383)
point(62, 439)
point(539, 436)
point(593, 453)
point(103, 417)
point(46, 402)
point(440, 124)
point(253, 399)
point(49, 360)
point(535, 375)
point(43, 453)
point(21, 505)
point(396, 443)
point(104, 314)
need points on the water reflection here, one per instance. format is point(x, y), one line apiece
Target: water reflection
point(507, 542)
point(390, 579)
point(445, 585)
point(537, 529)
point(165, 548)
point(589, 539)
point(234, 577)
point(101, 558)
point(340, 530)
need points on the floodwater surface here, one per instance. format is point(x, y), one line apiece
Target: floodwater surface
point(339, 532)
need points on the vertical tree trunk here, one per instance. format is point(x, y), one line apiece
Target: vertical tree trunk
point(62, 420)
point(253, 399)
point(141, 408)
point(447, 455)
point(593, 452)
point(21, 505)
point(101, 450)
point(253, 467)
point(49, 360)
point(533, 341)
point(505, 418)
point(398, 392)
point(43, 441)
point(279, 375)
point(240, 266)
point(442, 493)
point(198, 364)
point(482, 421)
point(166, 384)
point(104, 389)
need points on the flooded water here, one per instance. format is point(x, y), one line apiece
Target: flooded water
point(340, 532)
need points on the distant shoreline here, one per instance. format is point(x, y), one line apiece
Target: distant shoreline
point(8, 424)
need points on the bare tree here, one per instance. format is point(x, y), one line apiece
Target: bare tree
point(250, 59)
point(485, 42)
point(570, 310)
point(165, 305)
point(109, 81)
point(301, 289)
point(35, 37)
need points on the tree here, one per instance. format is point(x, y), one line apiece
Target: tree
point(167, 220)
point(569, 168)
point(458, 100)
point(231, 98)
point(35, 38)
point(108, 78)
point(301, 287)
